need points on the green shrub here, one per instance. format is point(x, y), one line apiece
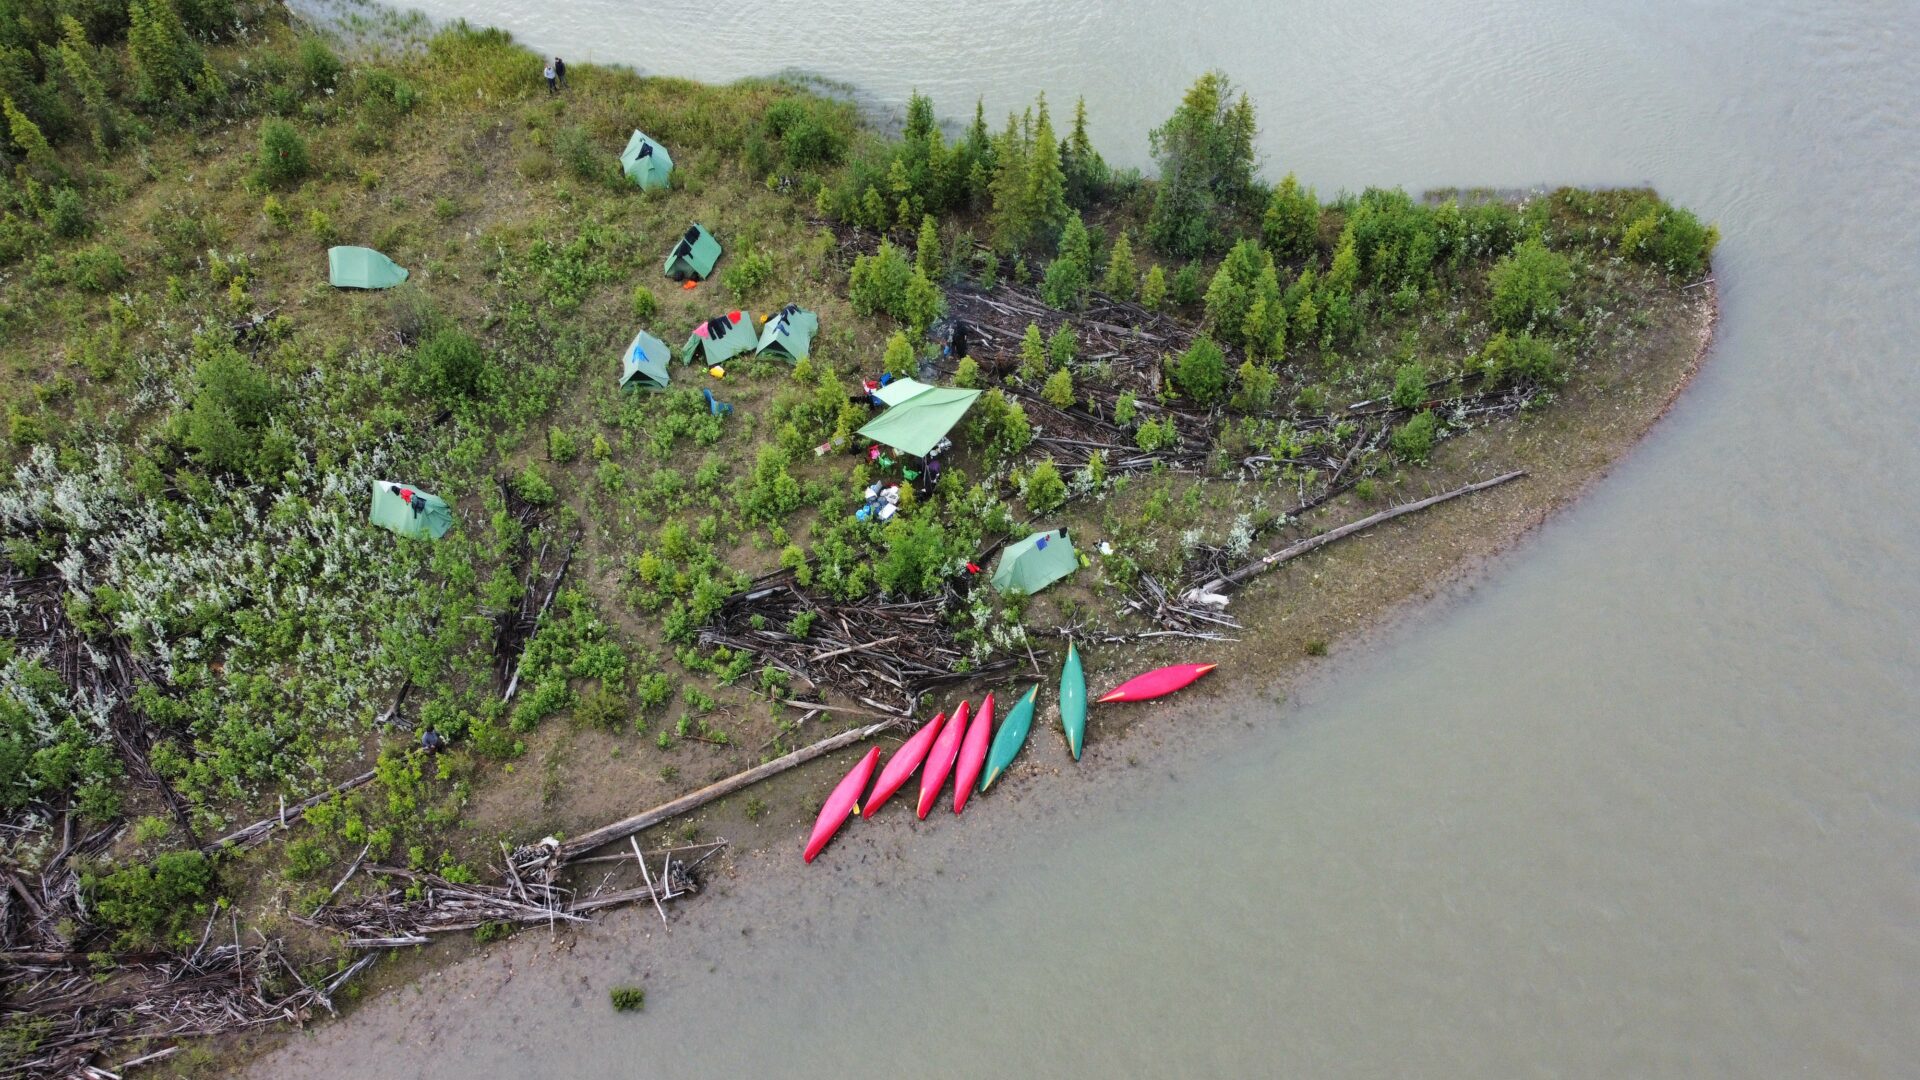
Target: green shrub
point(1291, 226)
point(96, 268)
point(283, 160)
point(451, 366)
point(1062, 347)
point(628, 998)
point(1125, 408)
point(318, 66)
point(1201, 371)
point(1671, 238)
point(583, 156)
point(1521, 357)
point(1257, 387)
point(1528, 285)
point(1153, 435)
point(562, 447)
point(899, 358)
point(1413, 440)
point(1121, 278)
point(66, 214)
point(1153, 291)
point(1409, 386)
point(1059, 389)
point(1065, 284)
point(1044, 491)
point(746, 275)
point(533, 486)
point(645, 306)
point(157, 906)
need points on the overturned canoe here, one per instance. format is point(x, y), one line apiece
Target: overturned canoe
point(842, 804)
point(1073, 701)
point(973, 754)
point(1157, 683)
point(904, 760)
point(1012, 736)
point(940, 759)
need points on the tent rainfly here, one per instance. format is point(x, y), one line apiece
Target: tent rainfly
point(1036, 562)
point(918, 416)
point(719, 338)
point(409, 511)
point(646, 162)
point(644, 365)
point(789, 334)
point(362, 268)
point(693, 257)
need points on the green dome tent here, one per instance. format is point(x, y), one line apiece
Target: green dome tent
point(1036, 562)
point(693, 257)
point(789, 333)
point(646, 162)
point(408, 511)
point(919, 415)
point(362, 268)
point(644, 365)
point(720, 338)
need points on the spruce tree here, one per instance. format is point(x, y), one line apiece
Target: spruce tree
point(1121, 276)
point(1046, 181)
point(1011, 222)
point(76, 59)
point(926, 252)
point(1292, 222)
point(164, 58)
point(27, 136)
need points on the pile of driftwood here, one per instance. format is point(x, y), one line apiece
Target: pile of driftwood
point(883, 654)
point(410, 906)
point(63, 1010)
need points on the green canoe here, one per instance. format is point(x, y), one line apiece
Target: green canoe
point(1073, 701)
point(1012, 735)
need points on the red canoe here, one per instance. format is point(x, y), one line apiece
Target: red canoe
point(1157, 683)
point(842, 804)
point(904, 760)
point(940, 759)
point(973, 754)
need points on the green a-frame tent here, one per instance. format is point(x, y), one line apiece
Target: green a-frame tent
point(789, 333)
point(1036, 562)
point(362, 268)
point(692, 258)
point(719, 338)
point(644, 365)
point(409, 511)
point(646, 162)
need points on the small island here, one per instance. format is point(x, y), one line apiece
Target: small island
point(425, 478)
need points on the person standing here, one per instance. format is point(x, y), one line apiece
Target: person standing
point(560, 72)
point(553, 79)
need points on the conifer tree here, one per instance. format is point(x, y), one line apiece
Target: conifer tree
point(1046, 181)
point(164, 58)
point(76, 60)
point(1121, 276)
point(32, 143)
point(1011, 221)
point(1292, 221)
point(926, 252)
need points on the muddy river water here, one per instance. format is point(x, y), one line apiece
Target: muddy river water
point(1643, 801)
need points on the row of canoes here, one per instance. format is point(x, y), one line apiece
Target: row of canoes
point(967, 748)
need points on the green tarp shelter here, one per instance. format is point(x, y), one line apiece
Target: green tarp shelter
point(719, 338)
point(646, 162)
point(1036, 562)
point(790, 333)
point(919, 416)
point(693, 257)
point(644, 365)
point(409, 511)
point(362, 268)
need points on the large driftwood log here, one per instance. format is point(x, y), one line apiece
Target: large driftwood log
point(1259, 566)
point(620, 830)
point(258, 831)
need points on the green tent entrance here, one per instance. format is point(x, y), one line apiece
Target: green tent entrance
point(409, 511)
point(919, 415)
point(362, 268)
point(693, 257)
point(1036, 562)
point(720, 338)
point(644, 365)
point(646, 162)
point(789, 333)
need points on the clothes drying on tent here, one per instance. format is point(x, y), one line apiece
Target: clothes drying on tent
point(646, 162)
point(409, 511)
point(789, 334)
point(719, 339)
point(362, 268)
point(693, 257)
point(644, 365)
point(1036, 562)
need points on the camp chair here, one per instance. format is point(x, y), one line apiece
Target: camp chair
point(718, 407)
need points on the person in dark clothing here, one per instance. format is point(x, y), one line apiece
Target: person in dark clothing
point(432, 741)
point(560, 72)
point(957, 344)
